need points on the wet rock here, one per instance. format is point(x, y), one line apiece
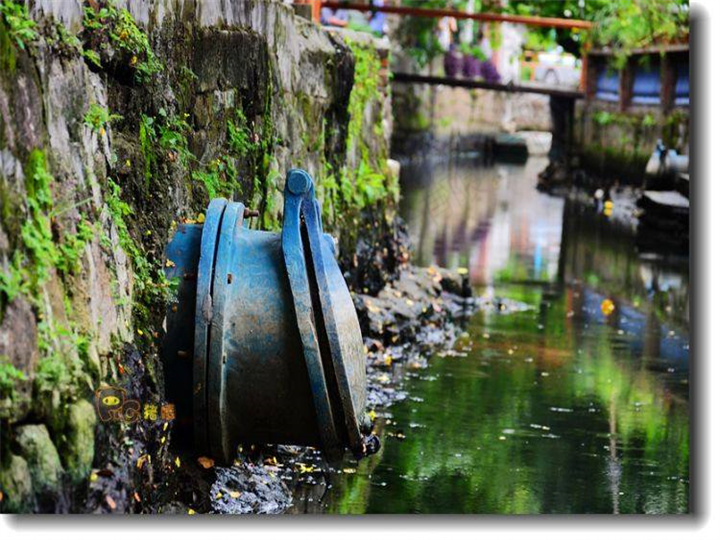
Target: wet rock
point(454, 282)
point(405, 306)
point(41, 455)
point(16, 485)
point(248, 488)
point(79, 449)
point(18, 346)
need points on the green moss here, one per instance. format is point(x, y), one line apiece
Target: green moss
point(63, 359)
point(622, 141)
point(78, 450)
point(366, 182)
point(16, 484)
point(365, 89)
point(151, 288)
point(8, 58)
point(247, 146)
point(42, 457)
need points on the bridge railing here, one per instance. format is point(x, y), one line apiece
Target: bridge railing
point(406, 11)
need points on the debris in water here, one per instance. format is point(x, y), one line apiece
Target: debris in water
point(607, 307)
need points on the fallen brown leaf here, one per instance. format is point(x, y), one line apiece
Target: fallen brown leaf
point(206, 462)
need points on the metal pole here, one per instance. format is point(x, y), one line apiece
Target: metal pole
point(545, 22)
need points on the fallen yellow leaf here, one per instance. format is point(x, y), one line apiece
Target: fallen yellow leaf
point(607, 307)
point(206, 462)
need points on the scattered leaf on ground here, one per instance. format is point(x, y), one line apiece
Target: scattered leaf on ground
point(206, 462)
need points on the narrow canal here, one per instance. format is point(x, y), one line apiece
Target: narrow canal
point(576, 404)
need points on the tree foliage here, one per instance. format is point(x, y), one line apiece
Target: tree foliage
point(621, 25)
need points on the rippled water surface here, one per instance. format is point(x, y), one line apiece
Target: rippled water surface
point(565, 407)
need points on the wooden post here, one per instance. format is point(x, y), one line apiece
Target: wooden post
point(316, 5)
point(584, 70)
point(668, 79)
point(627, 77)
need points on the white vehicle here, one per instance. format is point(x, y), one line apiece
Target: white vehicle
point(557, 68)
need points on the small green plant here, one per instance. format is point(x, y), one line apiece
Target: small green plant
point(42, 250)
point(15, 280)
point(649, 120)
point(219, 177)
point(164, 137)
point(9, 376)
point(109, 27)
point(604, 117)
point(61, 40)
point(92, 57)
point(72, 246)
point(473, 50)
point(172, 137)
point(21, 27)
point(63, 356)
point(99, 118)
point(239, 134)
point(36, 231)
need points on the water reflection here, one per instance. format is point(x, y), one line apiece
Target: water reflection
point(564, 408)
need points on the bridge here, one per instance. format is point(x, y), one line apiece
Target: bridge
point(562, 99)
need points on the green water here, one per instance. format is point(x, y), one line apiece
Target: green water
point(560, 408)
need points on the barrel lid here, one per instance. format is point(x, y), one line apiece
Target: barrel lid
point(203, 319)
point(332, 342)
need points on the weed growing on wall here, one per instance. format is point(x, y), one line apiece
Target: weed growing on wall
point(364, 181)
point(114, 40)
point(21, 29)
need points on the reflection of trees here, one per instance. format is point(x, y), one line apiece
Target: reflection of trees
point(614, 411)
point(603, 254)
point(447, 206)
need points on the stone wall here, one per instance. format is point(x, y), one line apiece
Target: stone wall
point(615, 145)
point(117, 123)
point(469, 111)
